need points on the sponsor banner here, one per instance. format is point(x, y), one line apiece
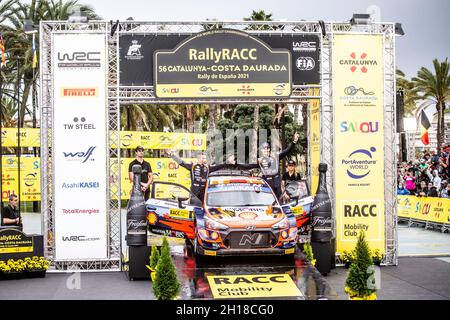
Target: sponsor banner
point(29, 137)
point(359, 139)
point(136, 55)
point(164, 169)
point(314, 139)
point(163, 140)
point(435, 210)
point(30, 178)
point(222, 63)
point(253, 286)
point(15, 241)
point(79, 153)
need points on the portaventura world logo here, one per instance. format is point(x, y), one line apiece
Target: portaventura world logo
point(359, 163)
point(358, 62)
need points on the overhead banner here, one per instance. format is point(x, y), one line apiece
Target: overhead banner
point(314, 139)
point(79, 152)
point(222, 63)
point(359, 139)
point(29, 137)
point(30, 178)
point(163, 140)
point(136, 55)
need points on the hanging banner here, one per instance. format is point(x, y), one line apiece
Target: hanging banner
point(136, 55)
point(30, 178)
point(163, 140)
point(314, 139)
point(29, 137)
point(79, 152)
point(222, 63)
point(359, 139)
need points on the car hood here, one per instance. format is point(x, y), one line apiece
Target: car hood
point(238, 217)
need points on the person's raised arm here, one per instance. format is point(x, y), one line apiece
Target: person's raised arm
point(180, 161)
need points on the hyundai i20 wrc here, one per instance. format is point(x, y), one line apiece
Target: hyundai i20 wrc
point(239, 215)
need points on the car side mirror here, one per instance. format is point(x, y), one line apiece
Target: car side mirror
point(180, 202)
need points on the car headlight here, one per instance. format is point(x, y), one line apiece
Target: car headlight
point(283, 224)
point(214, 225)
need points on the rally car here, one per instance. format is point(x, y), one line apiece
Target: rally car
point(239, 215)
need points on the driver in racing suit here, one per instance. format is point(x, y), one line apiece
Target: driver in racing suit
point(199, 173)
point(269, 164)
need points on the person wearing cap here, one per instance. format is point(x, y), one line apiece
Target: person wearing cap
point(199, 172)
point(290, 176)
point(270, 165)
point(146, 173)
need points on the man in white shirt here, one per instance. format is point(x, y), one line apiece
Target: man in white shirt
point(436, 180)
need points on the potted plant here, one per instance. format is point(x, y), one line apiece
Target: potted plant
point(348, 257)
point(166, 285)
point(377, 257)
point(357, 284)
point(36, 267)
point(12, 269)
point(154, 257)
point(307, 250)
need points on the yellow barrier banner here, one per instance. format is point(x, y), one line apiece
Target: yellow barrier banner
point(430, 209)
point(29, 137)
point(164, 169)
point(163, 140)
point(314, 139)
point(358, 91)
point(30, 178)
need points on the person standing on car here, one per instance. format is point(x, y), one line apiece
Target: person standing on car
point(146, 173)
point(269, 164)
point(199, 172)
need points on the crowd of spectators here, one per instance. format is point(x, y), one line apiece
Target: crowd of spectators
point(426, 177)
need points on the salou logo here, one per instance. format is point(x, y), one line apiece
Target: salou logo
point(359, 62)
point(79, 59)
point(134, 51)
point(82, 156)
point(304, 46)
point(79, 123)
point(359, 163)
point(360, 127)
point(305, 63)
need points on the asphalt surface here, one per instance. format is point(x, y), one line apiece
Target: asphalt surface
point(423, 277)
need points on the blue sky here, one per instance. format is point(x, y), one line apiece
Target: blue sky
point(426, 22)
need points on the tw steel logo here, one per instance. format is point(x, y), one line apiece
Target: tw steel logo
point(253, 239)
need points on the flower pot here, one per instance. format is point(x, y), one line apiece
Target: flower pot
point(35, 273)
point(13, 275)
point(372, 296)
point(377, 262)
point(347, 265)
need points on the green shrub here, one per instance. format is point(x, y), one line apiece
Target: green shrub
point(166, 285)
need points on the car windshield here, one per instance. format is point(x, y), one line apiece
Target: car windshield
point(239, 194)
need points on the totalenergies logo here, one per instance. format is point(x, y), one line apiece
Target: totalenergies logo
point(359, 163)
point(358, 62)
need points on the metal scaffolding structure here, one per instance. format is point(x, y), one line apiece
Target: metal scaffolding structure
point(122, 95)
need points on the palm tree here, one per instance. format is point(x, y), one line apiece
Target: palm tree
point(257, 16)
point(410, 95)
point(435, 87)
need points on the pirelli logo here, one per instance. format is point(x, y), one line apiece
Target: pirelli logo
point(79, 92)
